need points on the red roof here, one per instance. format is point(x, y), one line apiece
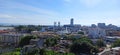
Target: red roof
point(3, 31)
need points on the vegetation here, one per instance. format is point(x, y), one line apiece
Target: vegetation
point(116, 43)
point(83, 46)
point(100, 43)
point(80, 32)
point(25, 40)
point(15, 52)
point(46, 52)
point(51, 41)
point(11, 53)
point(32, 52)
point(28, 28)
point(50, 52)
point(83, 39)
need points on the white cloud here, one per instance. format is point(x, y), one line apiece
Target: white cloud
point(87, 3)
point(35, 15)
point(6, 16)
point(90, 3)
point(17, 5)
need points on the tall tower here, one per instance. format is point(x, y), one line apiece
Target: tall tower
point(58, 24)
point(71, 21)
point(54, 24)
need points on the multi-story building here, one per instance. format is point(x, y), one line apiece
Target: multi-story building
point(112, 33)
point(101, 25)
point(72, 22)
point(12, 38)
point(93, 26)
point(96, 32)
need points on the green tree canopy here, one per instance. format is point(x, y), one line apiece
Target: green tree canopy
point(100, 43)
point(83, 39)
point(116, 43)
point(25, 40)
point(51, 41)
point(83, 45)
point(28, 28)
point(80, 32)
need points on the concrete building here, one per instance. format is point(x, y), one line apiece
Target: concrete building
point(72, 22)
point(12, 38)
point(55, 24)
point(58, 24)
point(96, 32)
point(111, 39)
point(93, 26)
point(101, 25)
point(65, 31)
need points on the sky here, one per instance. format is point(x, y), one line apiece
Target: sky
point(46, 12)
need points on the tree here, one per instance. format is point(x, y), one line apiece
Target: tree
point(28, 28)
point(100, 43)
point(51, 41)
point(80, 32)
point(116, 43)
point(84, 39)
point(83, 46)
point(42, 51)
point(51, 52)
point(19, 28)
point(25, 40)
point(32, 52)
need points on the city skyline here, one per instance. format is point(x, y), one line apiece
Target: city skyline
point(45, 12)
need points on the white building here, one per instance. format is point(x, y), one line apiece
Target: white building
point(111, 39)
point(96, 32)
point(10, 37)
point(66, 31)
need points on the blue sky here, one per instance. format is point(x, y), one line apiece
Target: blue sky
point(45, 12)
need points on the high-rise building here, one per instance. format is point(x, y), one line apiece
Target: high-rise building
point(72, 22)
point(54, 24)
point(58, 24)
point(93, 26)
point(101, 25)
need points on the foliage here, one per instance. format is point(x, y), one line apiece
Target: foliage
point(17, 49)
point(32, 52)
point(51, 41)
point(81, 48)
point(83, 45)
point(25, 40)
point(27, 28)
point(50, 52)
point(100, 43)
point(84, 39)
point(46, 52)
point(71, 37)
point(11, 53)
point(116, 43)
point(42, 51)
point(81, 32)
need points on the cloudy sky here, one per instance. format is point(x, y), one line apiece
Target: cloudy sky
point(45, 12)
